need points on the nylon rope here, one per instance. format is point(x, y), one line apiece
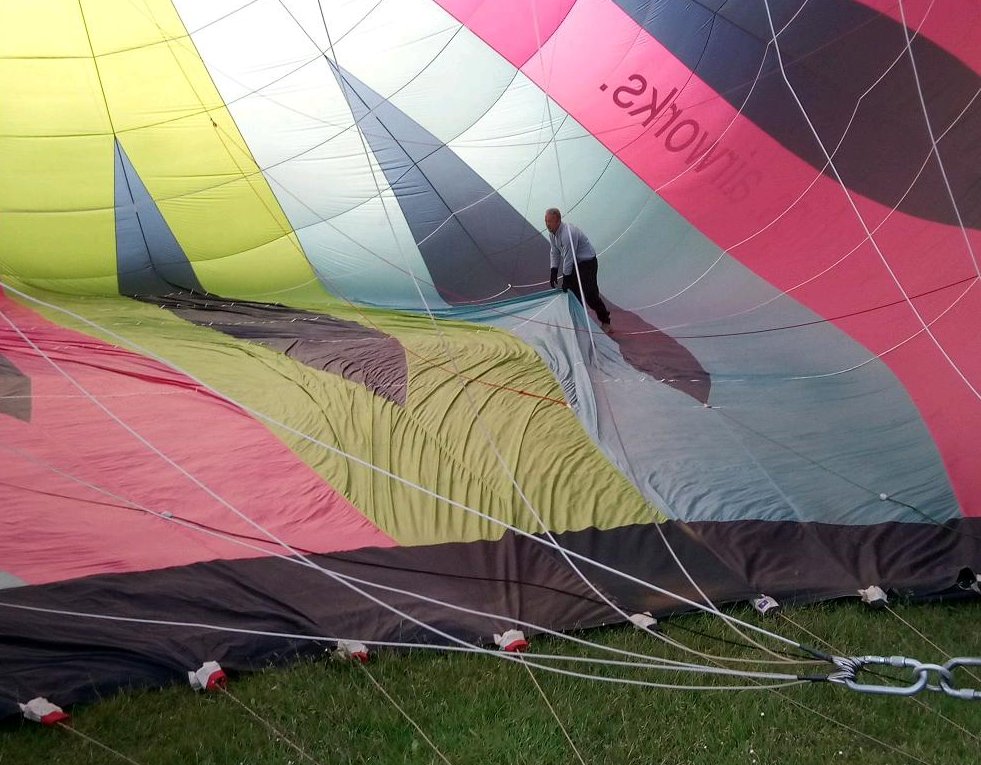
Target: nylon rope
point(404, 713)
point(555, 714)
point(787, 681)
point(273, 729)
point(96, 742)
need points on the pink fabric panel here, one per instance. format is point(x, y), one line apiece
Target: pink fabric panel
point(67, 530)
point(777, 214)
point(954, 25)
point(518, 27)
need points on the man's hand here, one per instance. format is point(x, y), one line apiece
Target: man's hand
point(553, 278)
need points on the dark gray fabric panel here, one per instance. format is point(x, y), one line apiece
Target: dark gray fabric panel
point(474, 243)
point(15, 391)
point(361, 354)
point(648, 349)
point(149, 260)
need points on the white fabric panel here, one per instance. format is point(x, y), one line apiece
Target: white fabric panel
point(360, 260)
point(294, 116)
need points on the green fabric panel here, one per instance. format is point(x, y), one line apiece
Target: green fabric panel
point(435, 440)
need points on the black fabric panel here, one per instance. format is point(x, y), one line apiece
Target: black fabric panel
point(17, 385)
point(810, 561)
point(802, 562)
point(70, 659)
point(361, 354)
point(474, 243)
point(833, 51)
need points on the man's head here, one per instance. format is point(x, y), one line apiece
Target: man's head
point(552, 219)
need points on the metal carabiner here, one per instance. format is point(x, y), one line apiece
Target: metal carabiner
point(890, 690)
point(851, 667)
point(947, 683)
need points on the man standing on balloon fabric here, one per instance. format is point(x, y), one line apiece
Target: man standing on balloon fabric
point(572, 252)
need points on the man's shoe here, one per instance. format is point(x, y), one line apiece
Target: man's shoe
point(605, 326)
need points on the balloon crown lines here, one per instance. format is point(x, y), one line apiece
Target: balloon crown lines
point(726, 169)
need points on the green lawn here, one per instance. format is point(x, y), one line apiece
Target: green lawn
point(479, 709)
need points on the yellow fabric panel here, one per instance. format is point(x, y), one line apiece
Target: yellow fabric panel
point(34, 245)
point(53, 97)
point(54, 174)
point(211, 193)
point(115, 26)
point(206, 216)
point(83, 285)
point(150, 85)
point(260, 272)
point(40, 28)
point(147, 83)
point(56, 151)
point(434, 440)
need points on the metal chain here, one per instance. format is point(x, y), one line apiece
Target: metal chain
point(922, 672)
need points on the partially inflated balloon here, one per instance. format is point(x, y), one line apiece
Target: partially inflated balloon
point(278, 352)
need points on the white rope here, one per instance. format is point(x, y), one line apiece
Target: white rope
point(474, 408)
point(933, 140)
point(382, 471)
point(786, 679)
point(171, 518)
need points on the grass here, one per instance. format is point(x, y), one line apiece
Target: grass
point(482, 710)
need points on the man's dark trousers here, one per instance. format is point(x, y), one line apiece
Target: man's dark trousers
point(587, 272)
